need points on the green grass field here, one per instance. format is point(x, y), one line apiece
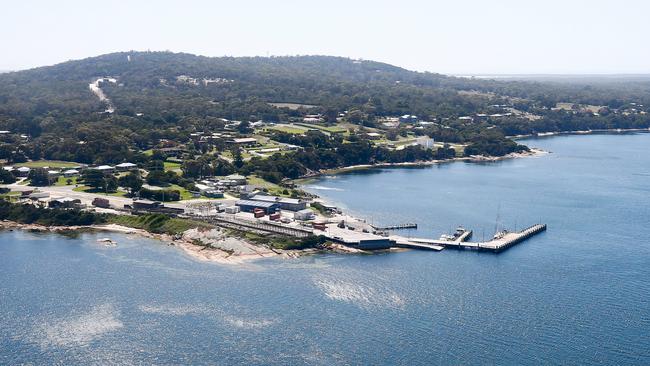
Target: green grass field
point(169, 165)
point(63, 181)
point(87, 189)
point(293, 129)
point(185, 194)
point(158, 223)
point(49, 163)
point(330, 129)
point(273, 188)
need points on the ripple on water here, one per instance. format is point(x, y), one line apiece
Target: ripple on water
point(77, 329)
point(207, 311)
point(359, 294)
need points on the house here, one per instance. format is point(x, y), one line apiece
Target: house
point(53, 173)
point(23, 171)
point(289, 204)
point(213, 193)
point(245, 141)
point(65, 202)
point(124, 167)
point(100, 202)
point(237, 180)
point(373, 135)
point(70, 173)
point(202, 187)
point(304, 215)
point(106, 169)
point(250, 206)
point(425, 141)
point(408, 118)
point(146, 205)
point(172, 151)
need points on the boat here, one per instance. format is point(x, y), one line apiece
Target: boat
point(500, 234)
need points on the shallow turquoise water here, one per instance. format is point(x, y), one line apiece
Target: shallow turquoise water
point(577, 294)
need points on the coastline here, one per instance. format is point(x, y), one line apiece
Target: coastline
point(473, 158)
point(582, 132)
point(184, 242)
point(187, 242)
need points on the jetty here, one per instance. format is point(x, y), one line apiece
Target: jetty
point(459, 240)
point(500, 242)
point(409, 225)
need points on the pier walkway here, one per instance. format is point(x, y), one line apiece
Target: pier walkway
point(396, 227)
point(494, 245)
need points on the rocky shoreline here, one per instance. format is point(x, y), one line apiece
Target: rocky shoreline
point(212, 245)
point(473, 158)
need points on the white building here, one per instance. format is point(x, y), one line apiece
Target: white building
point(232, 209)
point(70, 173)
point(126, 167)
point(105, 169)
point(304, 215)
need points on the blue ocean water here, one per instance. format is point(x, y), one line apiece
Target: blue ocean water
point(577, 294)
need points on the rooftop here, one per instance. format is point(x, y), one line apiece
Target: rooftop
point(244, 140)
point(265, 198)
point(255, 203)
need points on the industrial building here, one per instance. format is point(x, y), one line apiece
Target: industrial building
point(289, 204)
point(250, 206)
point(304, 215)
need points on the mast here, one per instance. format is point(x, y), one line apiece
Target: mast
point(496, 224)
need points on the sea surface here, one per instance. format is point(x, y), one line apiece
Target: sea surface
point(577, 294)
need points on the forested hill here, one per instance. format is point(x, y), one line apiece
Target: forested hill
point(144, 98)
point(155, 82)
point(170, 86)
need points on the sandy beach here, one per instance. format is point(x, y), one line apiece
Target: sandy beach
point(222, 248)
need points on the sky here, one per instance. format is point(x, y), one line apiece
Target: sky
point(466, 37)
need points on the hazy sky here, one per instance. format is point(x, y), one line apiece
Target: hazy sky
point(460, 36)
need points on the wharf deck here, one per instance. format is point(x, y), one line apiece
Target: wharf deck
point(495, 245)
point(397, 227)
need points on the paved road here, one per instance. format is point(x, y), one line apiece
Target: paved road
point(115, 201)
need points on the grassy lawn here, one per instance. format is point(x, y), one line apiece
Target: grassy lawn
point(170, 165)
point(273, 188)
point(331, 129)
point(63, 181)
point(158, 223)
point(185, 194)
point(293, 106)
point(148, 152)
point(87, 189)
point(49, 163)
point(292, 129)
point(11, 196)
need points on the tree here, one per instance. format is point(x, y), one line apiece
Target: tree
point(39, 177)
point(6, 177)
point(93, 178)
point(244, 127)
point(194, 168)
point(99, 181)
point(158, 178)
point(238, 160)
point(132, 182)
point(156, 165)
